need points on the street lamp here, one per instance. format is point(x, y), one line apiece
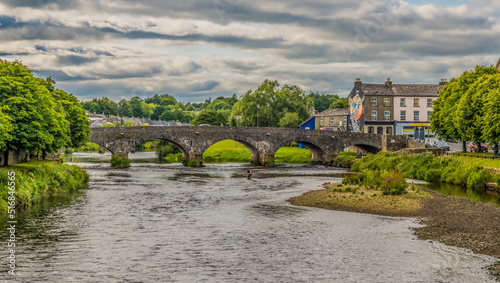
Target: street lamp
point(257, 115)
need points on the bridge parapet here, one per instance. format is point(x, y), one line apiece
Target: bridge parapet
point(262, 142)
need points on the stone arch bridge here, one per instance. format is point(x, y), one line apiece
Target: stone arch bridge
point(262, 142)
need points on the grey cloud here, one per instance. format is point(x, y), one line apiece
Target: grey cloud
point(204, 86)
point(75, 60)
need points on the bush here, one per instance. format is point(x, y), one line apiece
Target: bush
point(344, 161)
point(193, 163)
point(497, 177)
point(395, 183)
point(118, 162)
point(68, 150)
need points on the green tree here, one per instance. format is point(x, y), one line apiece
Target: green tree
point(79, 124)
point(5, 128)
point(210, 117)
point(269, 103)
point(38, 121)
point(157, 111)
point(290, 120)
point(444, 120)
point(124, 109)
point(490, 123)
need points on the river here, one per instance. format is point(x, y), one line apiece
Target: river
point(168, 223)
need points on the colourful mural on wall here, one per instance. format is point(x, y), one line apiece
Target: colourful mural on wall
point(356, 112)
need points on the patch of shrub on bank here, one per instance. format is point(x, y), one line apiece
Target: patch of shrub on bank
point(39, 180)
point(427, 167)
point(344, 161)
point(389, 181)
point(119, 162)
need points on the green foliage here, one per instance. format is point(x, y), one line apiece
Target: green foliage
point(164, 148)
point(497, 179)
point(269, 103)
point(394, 183)
point(68, 150)
point(79, 125)
point(101, 106)
point(460, 107)
point(125, 109)
point(193, 163)
point(5, 128)
point(38, 118)
point(36, 181)
point(128, 124)
point(427, 167)
point(210, 117)
point(344, 160)
point(389, 181)
point(290, 120)
point(119, 162)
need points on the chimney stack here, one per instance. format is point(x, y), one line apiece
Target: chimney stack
point(443, 82)
point(388, 83)
point(357, 83)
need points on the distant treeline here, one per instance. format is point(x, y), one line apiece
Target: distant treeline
point(269, 105)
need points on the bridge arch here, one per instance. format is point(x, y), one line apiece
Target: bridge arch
point(254, 151)
point(317, 153)
point(368, 146)
point(185, 152)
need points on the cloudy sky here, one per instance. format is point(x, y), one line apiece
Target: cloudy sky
point(199, 49)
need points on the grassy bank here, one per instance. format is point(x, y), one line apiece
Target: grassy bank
point(428, 167)
point(233, 151)
point(38, 180)
point(493, 163)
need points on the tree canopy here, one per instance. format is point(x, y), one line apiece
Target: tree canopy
point(42, 117)
point(459, 111)
point(265, 106)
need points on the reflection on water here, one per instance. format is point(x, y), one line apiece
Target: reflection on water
point(449, 189)
point(176, 224)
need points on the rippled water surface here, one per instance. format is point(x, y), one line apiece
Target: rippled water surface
point(167, 223)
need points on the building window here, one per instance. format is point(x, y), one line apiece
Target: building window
point(388, 130)
point(345, 120)
point(415, 102)
point(429, 102)
point(321, 121)
point(387, 115)
point(387, 102)
point(374, 101)
point(402, 103)
point(429, 113)
point(403, 115)
point(380, 130)
point(331, 120)
point(374, 115)
point(416, 116)
point(370, 130)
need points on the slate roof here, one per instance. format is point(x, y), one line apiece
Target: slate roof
point(334, 112)
point(401, 89)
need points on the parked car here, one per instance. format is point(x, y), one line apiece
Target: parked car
point(483, 147)
point(204, 125)
point(442, 144)
point(431, 141)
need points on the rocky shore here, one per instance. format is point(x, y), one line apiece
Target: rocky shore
point(451, 220)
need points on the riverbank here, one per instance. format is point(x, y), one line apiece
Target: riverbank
point(451, 220)
point(39, 180)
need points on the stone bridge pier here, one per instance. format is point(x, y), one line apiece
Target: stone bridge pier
point(263, 143)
